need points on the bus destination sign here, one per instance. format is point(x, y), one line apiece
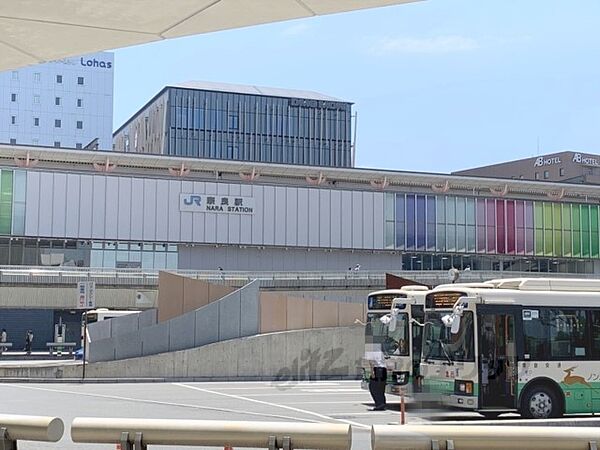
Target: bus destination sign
point(383, 301)
point(443, 299)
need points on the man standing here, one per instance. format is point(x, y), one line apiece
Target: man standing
point(377, 381)
point(28, 341)
point(3, 337)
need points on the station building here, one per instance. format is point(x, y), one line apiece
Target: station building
point(111, 209)
point(244, 123)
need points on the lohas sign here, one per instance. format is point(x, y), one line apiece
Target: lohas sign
point(95, 63)
point(222, 204)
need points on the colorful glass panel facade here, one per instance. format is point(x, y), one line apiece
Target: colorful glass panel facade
point(454, 224)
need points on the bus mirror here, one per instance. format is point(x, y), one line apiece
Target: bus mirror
point(393, 323)
point(455, 325)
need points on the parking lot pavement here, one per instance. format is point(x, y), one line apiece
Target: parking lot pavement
point(320, 401)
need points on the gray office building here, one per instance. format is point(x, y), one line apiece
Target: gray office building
point(244, 123)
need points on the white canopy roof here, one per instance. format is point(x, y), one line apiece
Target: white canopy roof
point(36, 31)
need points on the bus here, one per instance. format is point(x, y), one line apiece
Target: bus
point(525, 345)
point(397, 336)
point(97, 315)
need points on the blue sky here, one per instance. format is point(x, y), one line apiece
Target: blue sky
point(438, 85)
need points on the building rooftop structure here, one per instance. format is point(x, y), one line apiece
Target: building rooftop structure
point(269, 173)
point(241, 122)
point(565, 167)
point(254, 90)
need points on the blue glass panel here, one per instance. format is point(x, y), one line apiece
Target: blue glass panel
point(421, 224)
point(410, 222)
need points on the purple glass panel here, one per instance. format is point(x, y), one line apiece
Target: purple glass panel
point(501, 226)
point(510, 227)
point(491, 225)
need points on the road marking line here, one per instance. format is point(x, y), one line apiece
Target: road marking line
point(161, 403)
point(276, 405)
point(308, 394)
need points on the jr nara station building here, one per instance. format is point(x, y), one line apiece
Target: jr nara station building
point(128, 210)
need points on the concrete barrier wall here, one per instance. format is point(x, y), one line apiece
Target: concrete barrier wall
point(117, 326)
point(318, 353)
point(65, 297)
point(233, 316)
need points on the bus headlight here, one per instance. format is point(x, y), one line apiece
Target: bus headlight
point(401, 377)
point(463, 387)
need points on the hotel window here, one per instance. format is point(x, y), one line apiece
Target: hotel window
point(36, 99)
point(57, 144)
point(13, 141)
point(37, 77)
point(537, 175)
point(57, 123)
point(80, 80)
point(546, 174)
point(79, 145)
point(13, 120)
point(57, 101)
point(35, 141)
point(36, 121)
point(59, 79)
point(561, 172)
point(79, 102)
point(13, 97)
point(15, 75)
point(80, 124)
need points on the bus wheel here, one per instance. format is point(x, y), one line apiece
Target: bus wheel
point(540, 402)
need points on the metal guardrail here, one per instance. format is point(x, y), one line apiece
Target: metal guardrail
point(29, 428)
point(139, 433)
point(42, 275)
point(476, 437)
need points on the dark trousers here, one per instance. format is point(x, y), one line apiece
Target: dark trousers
point(377, 386)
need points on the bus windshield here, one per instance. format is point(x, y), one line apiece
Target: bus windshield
point(392, 342)
point(440, 343)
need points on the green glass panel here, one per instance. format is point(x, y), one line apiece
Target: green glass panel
point(566, 217)
point(6, 190)
point(595, 241)
point(548, 243)
point(567, 243)
point(585, 231)
point(558, 250)
point(576, 215)
point(576, 244)
point(538, 217)
point(539, 241)
point(547, 216)
point(557, 216)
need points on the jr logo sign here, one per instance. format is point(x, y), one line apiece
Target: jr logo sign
point(192, 200)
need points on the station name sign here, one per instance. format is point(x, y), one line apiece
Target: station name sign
point(304, 103)
point(220, 204)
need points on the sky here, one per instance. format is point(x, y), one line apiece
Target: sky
point(437, 85)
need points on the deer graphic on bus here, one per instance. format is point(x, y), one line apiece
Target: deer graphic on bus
point(571, 379)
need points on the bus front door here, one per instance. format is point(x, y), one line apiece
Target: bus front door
point(497, 358)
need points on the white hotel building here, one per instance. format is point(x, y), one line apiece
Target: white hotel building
point(66, 103)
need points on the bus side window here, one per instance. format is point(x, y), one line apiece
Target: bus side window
point(595, 327)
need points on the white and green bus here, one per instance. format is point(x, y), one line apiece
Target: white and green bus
point(392, 328)
point(523, 345)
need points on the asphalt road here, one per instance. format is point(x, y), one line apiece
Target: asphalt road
point(330, 401)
